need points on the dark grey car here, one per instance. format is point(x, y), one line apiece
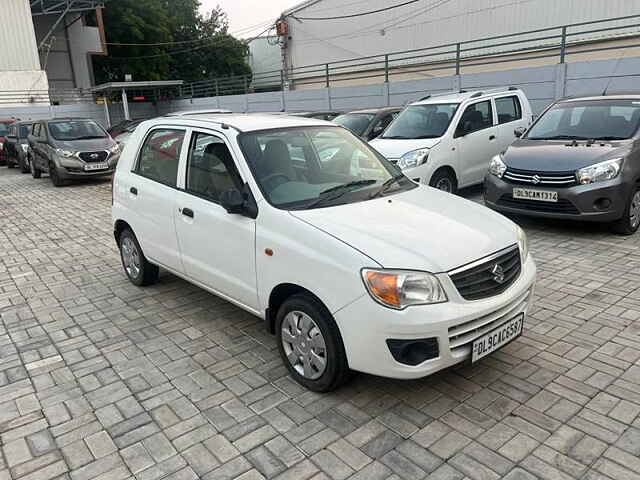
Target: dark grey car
point(579, 160)
point(368, 124)
point(17, 145)
point(71, 148)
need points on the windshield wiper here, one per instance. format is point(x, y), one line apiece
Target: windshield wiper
point(608, 137)
point(89, 137)
point(384, 188)
point(338, 191)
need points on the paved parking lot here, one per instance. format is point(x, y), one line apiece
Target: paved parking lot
point(103, 380)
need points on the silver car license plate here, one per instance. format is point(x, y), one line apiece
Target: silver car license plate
point(95, 166)
point(496, 338)
point(533, 194)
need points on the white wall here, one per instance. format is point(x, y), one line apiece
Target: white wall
point(431, 23)
point(18, 49)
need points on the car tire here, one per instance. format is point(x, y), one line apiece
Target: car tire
point(630, 221)
point(444, 180)
point(305, 326)
point(35, 171)
point(22, 162)
point(55, 176)
point(136, 266)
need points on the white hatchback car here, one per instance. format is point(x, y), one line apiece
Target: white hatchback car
point(298, 221)
point(448, 140)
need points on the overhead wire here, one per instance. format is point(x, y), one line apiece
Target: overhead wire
point(370, 12)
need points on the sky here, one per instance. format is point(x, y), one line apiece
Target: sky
point(247, 13)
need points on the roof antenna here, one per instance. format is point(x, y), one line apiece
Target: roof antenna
point(615, 70)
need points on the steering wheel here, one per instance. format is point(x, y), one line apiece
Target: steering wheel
point(274, 180)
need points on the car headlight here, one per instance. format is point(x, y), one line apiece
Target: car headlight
point(523, 245)
point(497, 166)
point(401, 288)
point(600, 171)
point(65, 153)
point(1, 146)
point(414, 158)
point(115, 149)
point(25, 147)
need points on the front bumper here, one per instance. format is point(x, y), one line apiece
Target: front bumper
point(366, 326)
point(71, 168)
point(597, 202)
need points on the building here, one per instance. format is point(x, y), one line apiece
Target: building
point(265, 60)
point(321, 32)
point(46, 48)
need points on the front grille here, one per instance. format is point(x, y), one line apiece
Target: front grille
point(561, 206)
point(549, 179)
point(93, 157)
point(463, 334)
point(488, 278)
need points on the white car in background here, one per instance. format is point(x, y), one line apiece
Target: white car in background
point(352, 268)
point(448, 140)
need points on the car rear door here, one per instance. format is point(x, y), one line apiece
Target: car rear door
point(510, 116)
point(218, 248)
point(477, 144)
point(150, 192)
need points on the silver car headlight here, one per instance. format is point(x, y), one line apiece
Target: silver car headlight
point(523, 245)
point(115, 149)
point(65, 153)
point(414, 159)
point(497, 166)
point(401, 288)
point(25, 147)
point(600, 172)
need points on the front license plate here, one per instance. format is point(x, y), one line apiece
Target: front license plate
point(496, 338)
point(95, 166)
point(532, 194)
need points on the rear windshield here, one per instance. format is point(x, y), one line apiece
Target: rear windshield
point(588, 120)
point(422, 121)
point(76, 130)
point(356, 122)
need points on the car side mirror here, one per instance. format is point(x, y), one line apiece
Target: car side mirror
point(239, 202)
point(518, 132)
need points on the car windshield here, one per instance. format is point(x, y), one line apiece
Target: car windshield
point(311, 167)
point(4, 129)
point(25, 128)
point(76, 130)
point(356, 122)
point(422, 121)
point(612, 119)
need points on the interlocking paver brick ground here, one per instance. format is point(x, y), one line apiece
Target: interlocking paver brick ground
point(100, 379)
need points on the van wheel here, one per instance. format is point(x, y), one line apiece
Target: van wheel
point(630, 221)
point(310, 344)
point(139, 270)
point(35, 171)
point(444, 180)
point(24, 167)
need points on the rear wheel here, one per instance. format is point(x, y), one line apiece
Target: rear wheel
point(630, 221)
point(444, 180)
point(35, 171)
point(139, 270)
point(310, 344)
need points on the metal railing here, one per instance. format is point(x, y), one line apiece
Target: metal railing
point(557, 43)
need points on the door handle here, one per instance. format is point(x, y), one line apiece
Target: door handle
point(492, 137)
point(134, 190)
point(187, 212)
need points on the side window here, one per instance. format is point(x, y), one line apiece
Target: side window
point(36, 130)
point(210, 168)
point(160, 155)
point(477, 116)
point(508, 109)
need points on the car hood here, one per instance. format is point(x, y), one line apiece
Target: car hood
point(560, 155)
point(396, 148)
point(421, 229)
point(89, 145)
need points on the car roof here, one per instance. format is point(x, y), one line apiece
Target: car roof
point(248, 122)
point(377, 110)
point(631, 96)
point(463, 95)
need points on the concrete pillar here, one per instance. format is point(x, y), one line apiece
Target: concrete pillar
point(560, 81)
point(125, 105)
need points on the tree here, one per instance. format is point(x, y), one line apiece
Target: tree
point(196, 47)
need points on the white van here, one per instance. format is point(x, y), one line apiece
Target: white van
point(448, 140)
point(268, 212)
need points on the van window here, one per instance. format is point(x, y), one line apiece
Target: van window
point(160, 155)
point(36, 130)
point(479, 115)
point(508, 109)
point(210, 168)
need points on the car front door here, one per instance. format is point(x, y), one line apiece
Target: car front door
point(510, 117)
point(218, 248)
point(476, 141)
point(37, 145)
point(151, 190)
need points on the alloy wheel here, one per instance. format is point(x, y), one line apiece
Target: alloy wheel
point(304, 345)
point(130, 257)
point(445, 185)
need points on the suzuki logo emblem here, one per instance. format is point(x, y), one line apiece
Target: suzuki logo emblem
point(536, 179)
point(498, 273)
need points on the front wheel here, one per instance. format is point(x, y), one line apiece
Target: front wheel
point(310, 344)
point(35, 171)
point(139, 270)
point(630, 221)
point(444, 180)
point(55, 176)
point(24, 164)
